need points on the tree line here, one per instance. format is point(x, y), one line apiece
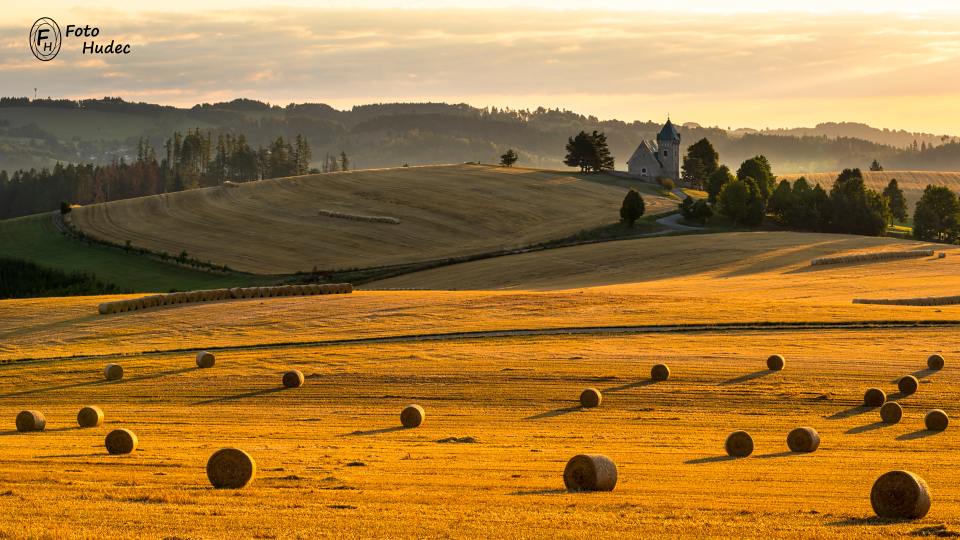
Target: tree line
point(23, 279)
point(751, 195)
point(191, 160)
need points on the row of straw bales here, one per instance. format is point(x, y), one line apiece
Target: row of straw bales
point(213, 295)
point(928, 301)
point(872, 257)
point(358, 217)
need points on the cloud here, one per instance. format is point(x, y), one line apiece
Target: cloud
point(600, 61)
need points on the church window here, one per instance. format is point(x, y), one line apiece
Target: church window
point(643, 170)
point(665, 152)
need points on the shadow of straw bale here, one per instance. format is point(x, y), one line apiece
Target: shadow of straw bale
point(747, 377)
point(919, 374)
point(242, 396)
point(628, 386)
point(54, 388)
point(361, 433)
point(539, 492)
point(852, 411)
point(919, 434)
point(555, 412)
point(866, 428)
point(860, 521)
point(711, 459)
point(781, 454)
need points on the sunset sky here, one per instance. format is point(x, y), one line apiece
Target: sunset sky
point(752, 64)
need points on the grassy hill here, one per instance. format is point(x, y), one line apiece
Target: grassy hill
point(911, 182)
point(36, 239)
point(276, 226)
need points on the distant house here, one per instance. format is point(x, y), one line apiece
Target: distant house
point(653, 159)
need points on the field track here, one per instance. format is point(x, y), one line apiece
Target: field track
point(718, 328)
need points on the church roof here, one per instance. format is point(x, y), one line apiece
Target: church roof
point(668, 133)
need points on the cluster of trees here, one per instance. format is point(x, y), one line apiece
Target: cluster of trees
point(937, 215)
point(190, 161)
point(750, 195)
point(23, 279)
point(589, 151)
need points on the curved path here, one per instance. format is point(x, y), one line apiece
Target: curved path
point(559, 331)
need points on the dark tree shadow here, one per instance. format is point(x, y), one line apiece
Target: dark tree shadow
point(243, 396)
point(781, 454)
point(539, 492)
point(711, 459)
point(866, 428)
point(747, 377)
point(360, 433)
point(628, 386)
point(555, 412)
point(919, 434)
point(852, 411)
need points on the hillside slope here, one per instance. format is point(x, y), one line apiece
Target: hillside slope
point(735, 263)
point(911, 182)
point(276, 226)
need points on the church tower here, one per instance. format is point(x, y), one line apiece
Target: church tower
point(668, 150)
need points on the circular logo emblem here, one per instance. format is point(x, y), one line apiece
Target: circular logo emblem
point(45, 39)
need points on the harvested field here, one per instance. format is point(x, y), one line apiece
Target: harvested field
point(443, 212)
point(513, 397)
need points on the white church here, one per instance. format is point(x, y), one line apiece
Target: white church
point(653, 159)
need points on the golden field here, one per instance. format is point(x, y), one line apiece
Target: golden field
point(333, 462)
point(911, 182)
point(275, 226)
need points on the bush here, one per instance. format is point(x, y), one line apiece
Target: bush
point(632, 208)
point(695, 211)
point(23, 279)
point(65, 208)
point(666, 183)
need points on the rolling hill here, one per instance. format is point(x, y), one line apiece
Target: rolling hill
point(366, 218)
point(911, 182)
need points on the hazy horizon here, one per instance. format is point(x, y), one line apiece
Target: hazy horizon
point(757, 66)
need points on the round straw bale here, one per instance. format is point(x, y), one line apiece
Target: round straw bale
point(31, 421)
point(231, 468)
point(113, 372)
point(739, 444)
point(586, 472)
point(803, 439)
point(205, 359)
point(590, 397)
point(900, 495)
point(293, 379)
point(264, 292)
point(105, 308)
point(891, 412)
point(936, 420)
point(326, 288)
point(347, 288)
point(315, 288)
point(874, 397)
point(90, 416)
point(236, 292)
point(121, 441)
point(908, 384)
point(775, 362)
point(412, 416)
point(660, 372)
point(935, 362)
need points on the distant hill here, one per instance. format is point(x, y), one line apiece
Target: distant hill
point(358, 219)
point(37, 133)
